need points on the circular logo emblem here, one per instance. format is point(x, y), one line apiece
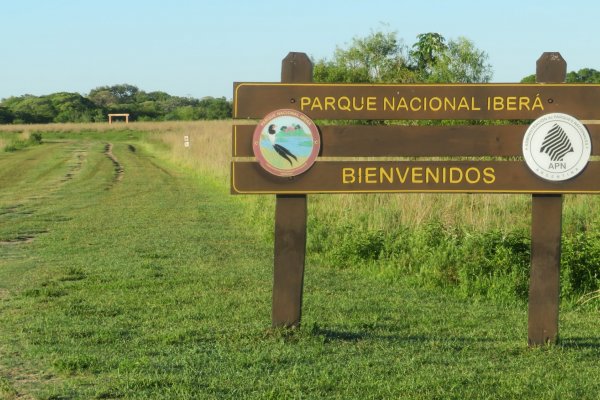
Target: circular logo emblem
point(556, 147)
point(286, 142)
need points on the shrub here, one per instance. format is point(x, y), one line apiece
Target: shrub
point(496, 264)
point(580, 264)
point(492, 264)
point(356, 246)
point(17, 144)
point(36, 138)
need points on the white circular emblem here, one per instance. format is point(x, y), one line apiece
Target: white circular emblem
point(557, 147)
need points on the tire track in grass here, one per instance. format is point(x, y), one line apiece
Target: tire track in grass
point(34, 181)
point(29, 178)
point(34, 171)
point(119, 170)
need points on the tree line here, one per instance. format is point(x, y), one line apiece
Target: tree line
point(377, 57)
point(95, 106)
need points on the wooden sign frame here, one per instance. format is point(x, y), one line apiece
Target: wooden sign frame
point(467, 158)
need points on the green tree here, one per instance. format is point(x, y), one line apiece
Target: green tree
point(6, 116)
point(158, 96)
point(381, 57)
point(584, 75)
point(149, 110)
point(105, 96)
point(528, 79)
point(216, 108)
point(460, 62)
point(102, 97)
point(30, 109)
point(184, 113)
point(124, 93)
point(72, 107)
point(427, 51)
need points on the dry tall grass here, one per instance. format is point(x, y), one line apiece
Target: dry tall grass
point(210, 153)
point(209, 145)
point(99, 127)
point(12, 135)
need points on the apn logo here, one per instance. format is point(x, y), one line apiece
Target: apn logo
point(556, 147)
point(556, 144)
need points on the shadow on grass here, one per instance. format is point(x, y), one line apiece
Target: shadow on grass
point(592, 343)
point(339, 335)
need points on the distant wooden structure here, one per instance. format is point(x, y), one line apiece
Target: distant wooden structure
point(110, 117)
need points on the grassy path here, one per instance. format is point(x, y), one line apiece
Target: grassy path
point(116, 274)
point(152, 285)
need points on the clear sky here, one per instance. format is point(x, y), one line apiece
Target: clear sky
point(199, 48)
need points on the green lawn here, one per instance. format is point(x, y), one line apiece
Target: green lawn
point(153, 285)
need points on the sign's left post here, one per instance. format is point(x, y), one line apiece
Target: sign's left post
point(290, 226)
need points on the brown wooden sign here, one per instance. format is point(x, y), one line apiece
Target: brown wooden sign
point(346, 175)
point(410, 102)
point(466, 158)
point(412, 141)
point(410, 177)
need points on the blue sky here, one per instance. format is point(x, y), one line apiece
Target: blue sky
point(199, 48)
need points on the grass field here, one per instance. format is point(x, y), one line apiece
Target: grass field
point(140, 277)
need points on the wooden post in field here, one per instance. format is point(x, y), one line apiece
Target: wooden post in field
point(290, 226)
point(546, 225)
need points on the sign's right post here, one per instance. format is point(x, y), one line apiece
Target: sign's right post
point(546, 227)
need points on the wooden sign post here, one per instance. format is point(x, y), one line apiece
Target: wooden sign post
point(546, 228)
point(426, 159)
point(290, 226)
